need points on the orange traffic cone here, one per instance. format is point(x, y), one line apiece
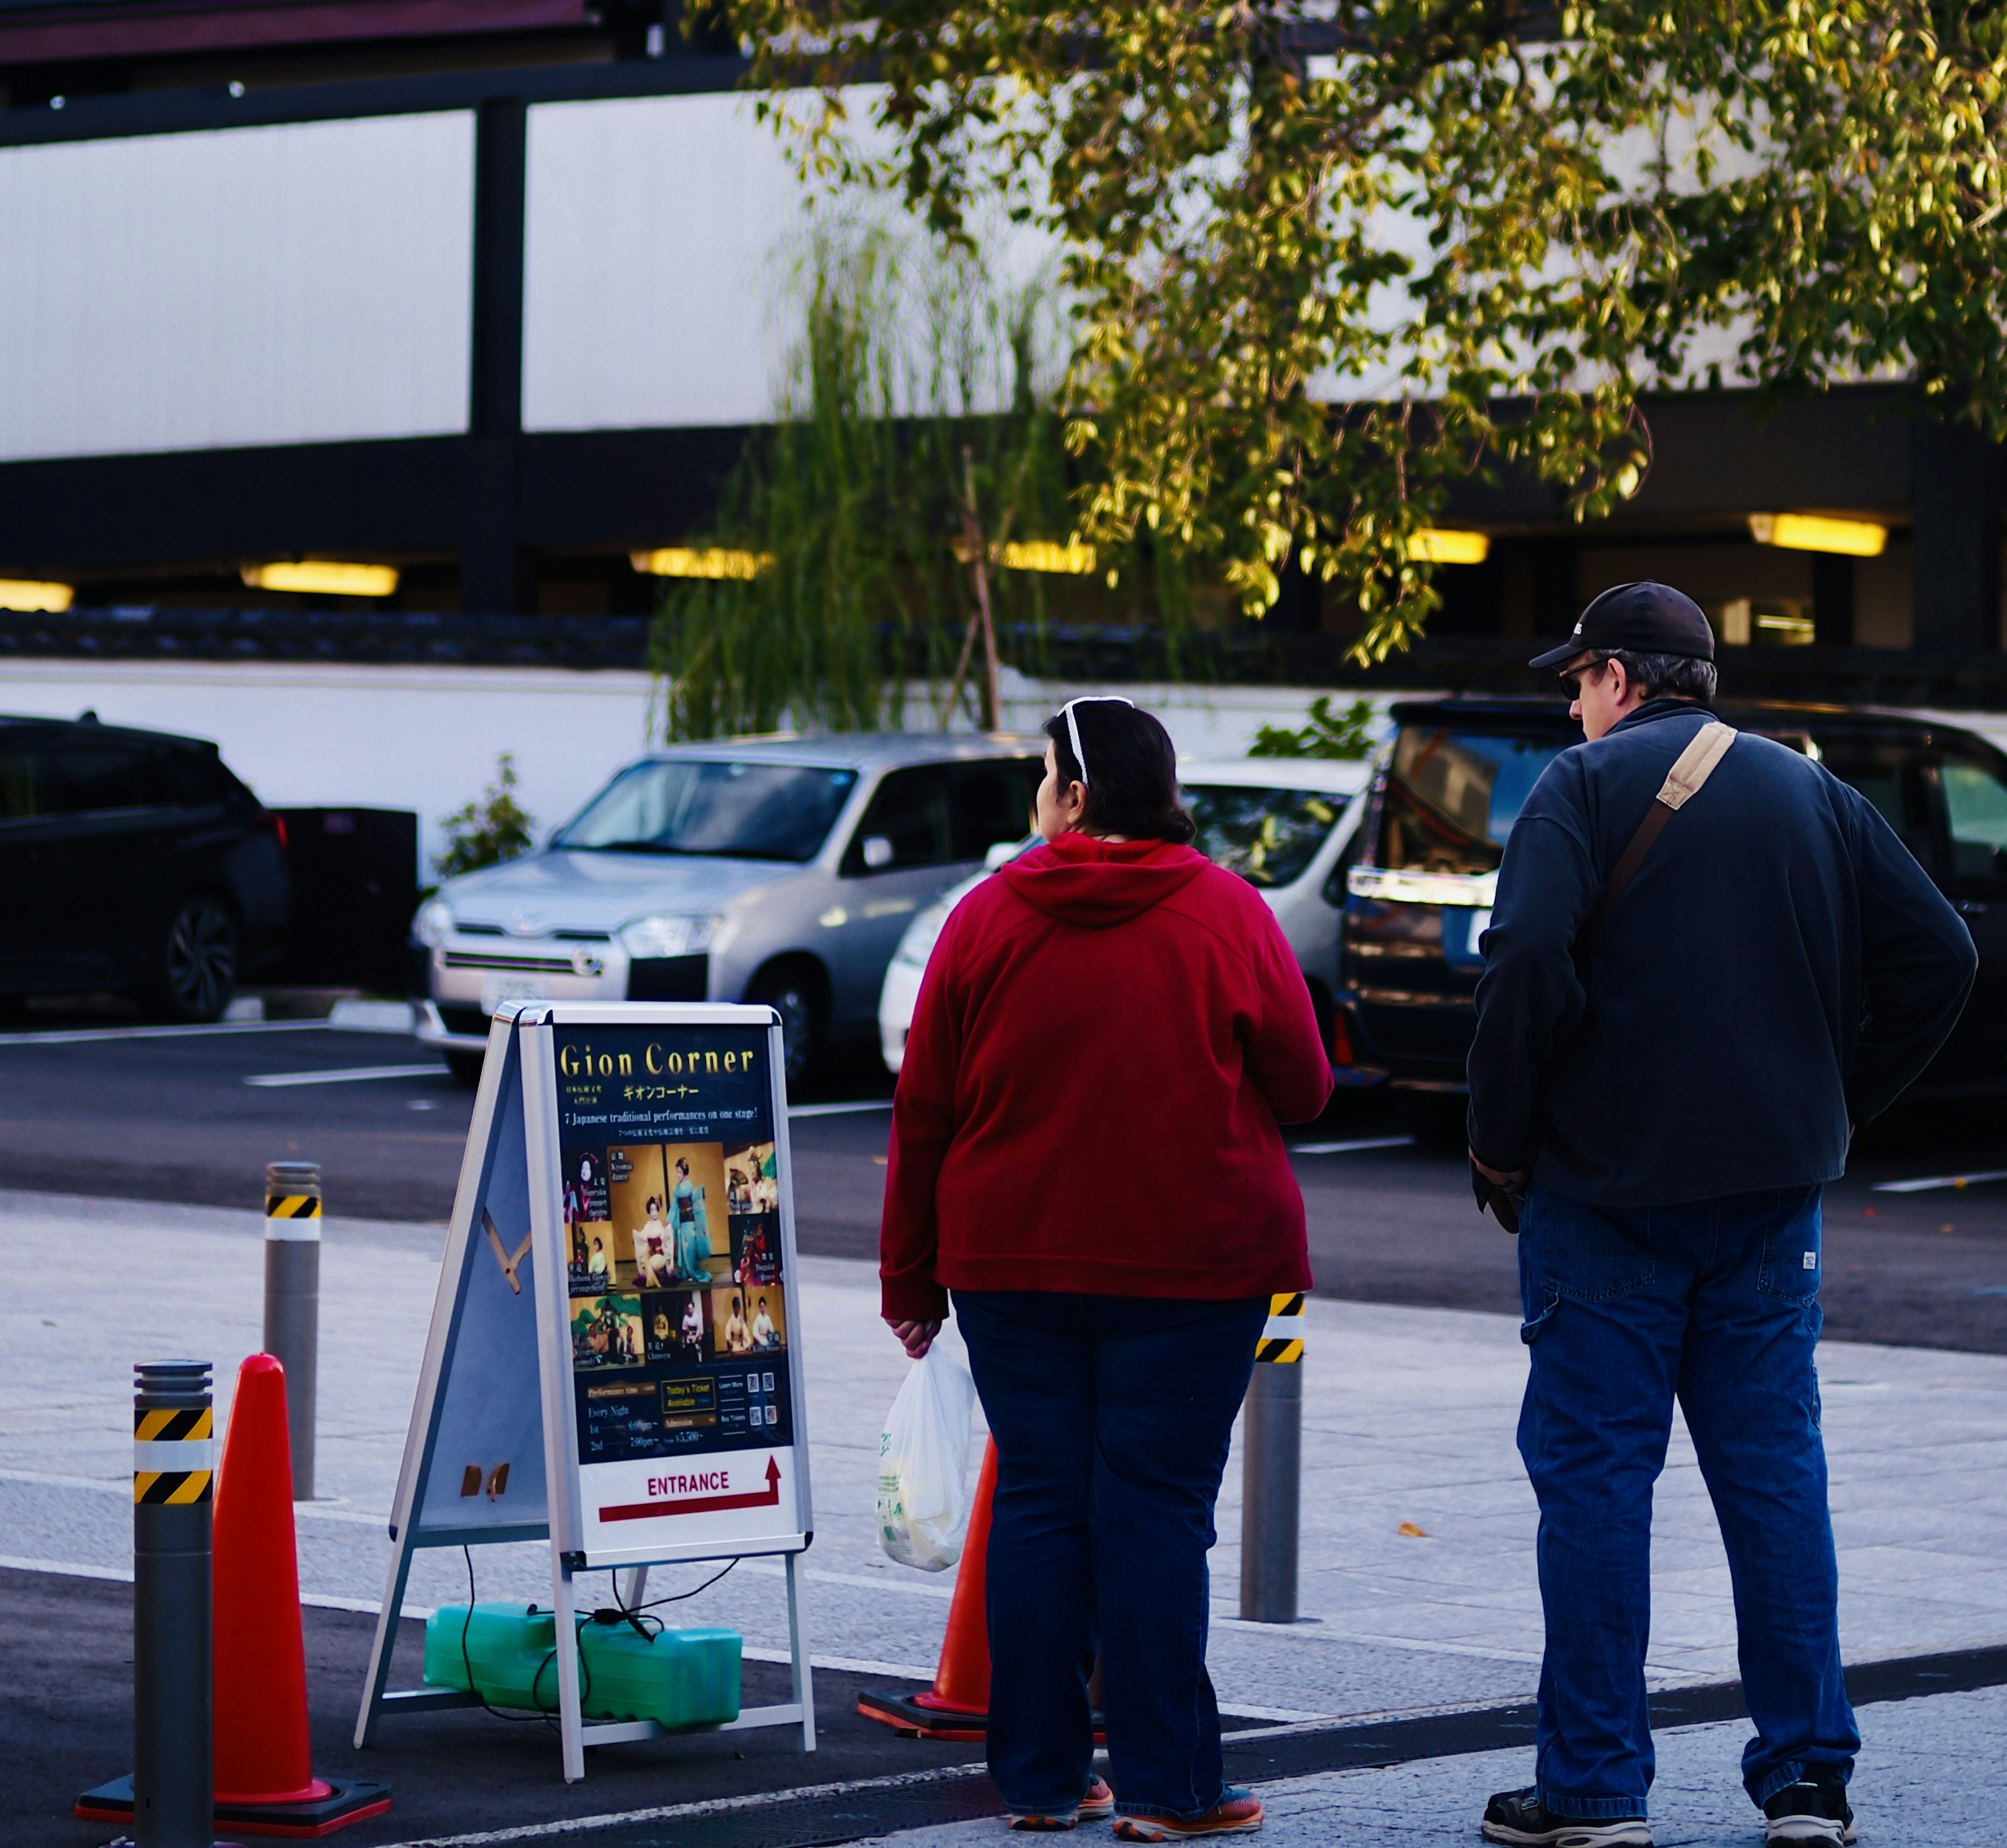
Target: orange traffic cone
point(265, 1782)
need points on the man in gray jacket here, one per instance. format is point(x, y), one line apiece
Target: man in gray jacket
point(1709, 961)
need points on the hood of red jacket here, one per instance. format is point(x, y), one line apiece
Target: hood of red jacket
point(1096, 883)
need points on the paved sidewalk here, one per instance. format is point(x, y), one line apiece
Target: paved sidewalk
point(1928, 1777)
point(1409, 1417)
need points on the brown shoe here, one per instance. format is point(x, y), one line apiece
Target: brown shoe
point(1237, 1812)
point(1096, 1806)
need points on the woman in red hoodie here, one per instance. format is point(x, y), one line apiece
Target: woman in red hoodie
point(1111, 989)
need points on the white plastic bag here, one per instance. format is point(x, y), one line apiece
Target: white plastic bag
point(923, 1465)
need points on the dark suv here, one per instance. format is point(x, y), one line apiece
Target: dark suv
point(132, 861)
point(1453, 781)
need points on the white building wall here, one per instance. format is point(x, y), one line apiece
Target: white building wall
point(652, 254)
point(299, 283)
point(666, 240)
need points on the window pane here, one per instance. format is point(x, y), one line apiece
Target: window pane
point(1975, 811)
point(1267, 836)
point(991, 803)
point(1452, 797)
point(741, 811)
point(1892, 779)
point(85, 778)
point(910, 811)
point(189, 776)
point(20, 786)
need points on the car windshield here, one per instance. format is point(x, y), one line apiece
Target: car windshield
point(739, 811)
point(1452, 796)
point(1266, 835)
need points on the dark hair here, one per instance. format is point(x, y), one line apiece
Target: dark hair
point(1680, 677)
point(1132, 779)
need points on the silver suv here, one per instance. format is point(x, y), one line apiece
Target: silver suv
point(776, 870)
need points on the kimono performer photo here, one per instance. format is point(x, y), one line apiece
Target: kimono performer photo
point(692, 1229)
point(651, 1248)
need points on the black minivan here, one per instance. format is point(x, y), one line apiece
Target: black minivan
point(1452, 781)
point(134, 862)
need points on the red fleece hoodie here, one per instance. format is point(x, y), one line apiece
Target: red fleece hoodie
point(1105, 1039)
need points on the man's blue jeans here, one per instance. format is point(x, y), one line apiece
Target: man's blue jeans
point(1111, 1416)
point(1716, 1302)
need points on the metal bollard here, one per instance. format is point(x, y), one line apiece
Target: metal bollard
point(292, 1301)
point(173, 1457)
point(1272, 1463)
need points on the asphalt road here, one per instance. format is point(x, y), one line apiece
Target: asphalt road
point(193, 1117)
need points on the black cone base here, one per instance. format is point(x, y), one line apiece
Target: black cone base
point(907, 1718)
point(344, 1804)
point(905, 1715)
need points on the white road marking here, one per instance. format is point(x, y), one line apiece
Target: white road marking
point(1351, 1148)
point(76, 1036)
point(1930, 1182)
point(346, 1074)
point(796, 1109)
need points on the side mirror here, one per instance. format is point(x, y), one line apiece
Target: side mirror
point(877, 852)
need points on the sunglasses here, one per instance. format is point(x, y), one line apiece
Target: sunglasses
point(1573, 679)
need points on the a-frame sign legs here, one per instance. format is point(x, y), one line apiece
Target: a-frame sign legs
point(571, 1719)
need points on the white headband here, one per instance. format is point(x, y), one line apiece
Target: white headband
point(1073, 724)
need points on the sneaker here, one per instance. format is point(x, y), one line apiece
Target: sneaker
point(1810, 1812)
point(1096, 1806)
point(1516, 1816)
point(1238, 1812)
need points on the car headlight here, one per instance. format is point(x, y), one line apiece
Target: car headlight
point(433, 921)
point(922, 935)
point(669, 936)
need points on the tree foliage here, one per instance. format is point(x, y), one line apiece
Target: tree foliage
point(1326, 262)
point(1346, 735)
point(487, 831)
point(913, 449)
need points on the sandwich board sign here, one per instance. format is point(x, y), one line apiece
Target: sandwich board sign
point(615, 1361)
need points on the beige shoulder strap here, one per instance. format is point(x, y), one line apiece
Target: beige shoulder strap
point(1695, 764)
point(1690, 771)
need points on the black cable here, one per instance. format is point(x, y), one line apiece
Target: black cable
point(618, 1612)
point(677, 1597)
point(466, 1661)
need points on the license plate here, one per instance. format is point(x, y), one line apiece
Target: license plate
point(497, 990)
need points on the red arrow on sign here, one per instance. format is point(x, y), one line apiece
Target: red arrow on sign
point(708, 1504)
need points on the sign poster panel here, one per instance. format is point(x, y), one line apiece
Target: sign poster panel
point(679, 1306)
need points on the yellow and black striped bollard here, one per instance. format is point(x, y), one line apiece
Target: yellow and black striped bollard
point(1271, 1462)
point(292, 1302)
point(173, 1462)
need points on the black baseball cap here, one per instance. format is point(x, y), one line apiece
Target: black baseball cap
point(1645, 619)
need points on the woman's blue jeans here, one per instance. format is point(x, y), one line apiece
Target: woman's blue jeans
point(1111, 1416)
point(1715, 1302)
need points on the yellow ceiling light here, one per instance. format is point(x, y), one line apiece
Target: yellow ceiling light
point(323, 577)
point(1072, 559)
point(1437, 545)
point(1814, 533)
point(24, 593)
point(700, 561)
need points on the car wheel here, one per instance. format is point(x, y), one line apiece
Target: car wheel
point(198, 968)
point(791, 995)
point(466, 1066)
